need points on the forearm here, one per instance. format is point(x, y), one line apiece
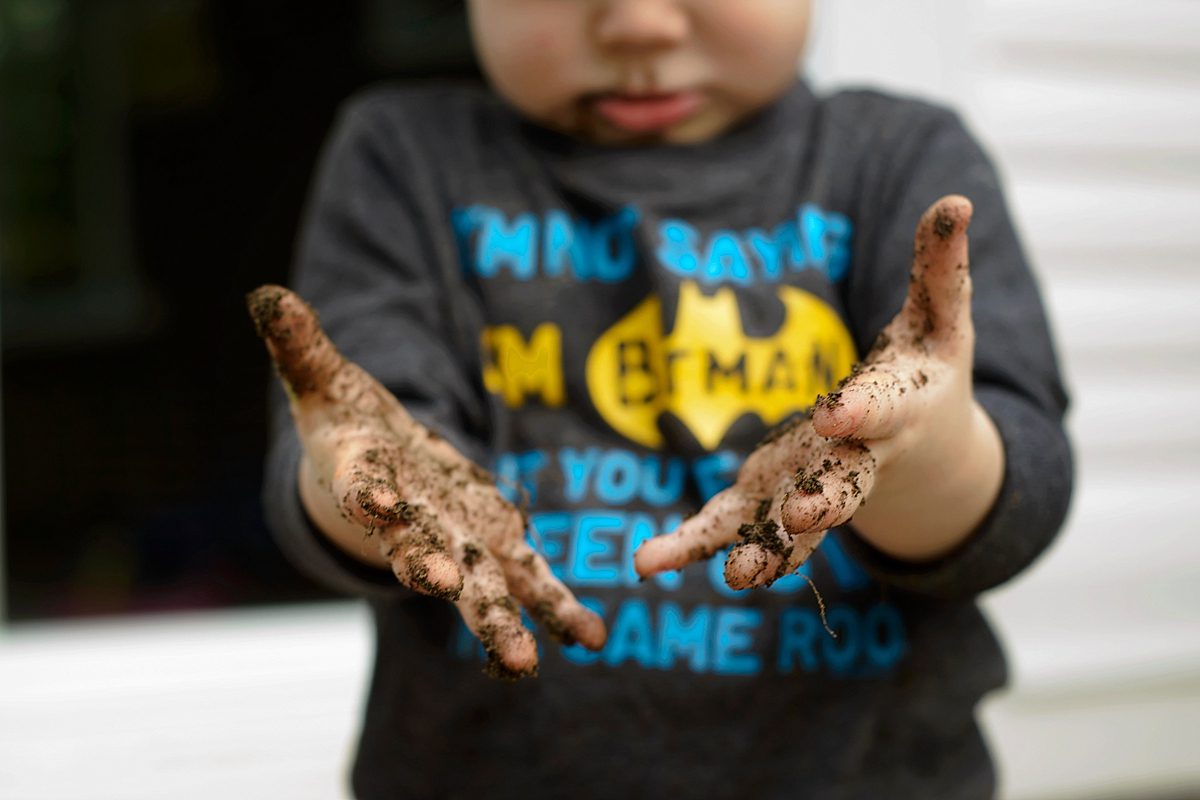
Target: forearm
point(924, 505)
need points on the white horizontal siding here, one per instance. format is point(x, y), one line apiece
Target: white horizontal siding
point(1091, 211)
point(1146, 28)
point(1024, 109)
point(1139, 322)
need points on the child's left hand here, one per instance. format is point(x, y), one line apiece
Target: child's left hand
point(903, 430)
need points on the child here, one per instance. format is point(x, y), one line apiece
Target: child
point(607, 280)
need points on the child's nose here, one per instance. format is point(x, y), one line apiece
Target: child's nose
point(642, 24)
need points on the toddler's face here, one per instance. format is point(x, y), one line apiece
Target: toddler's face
point(626, 71)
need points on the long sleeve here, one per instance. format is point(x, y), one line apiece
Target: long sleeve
point(1016, 375)
point(375, 272)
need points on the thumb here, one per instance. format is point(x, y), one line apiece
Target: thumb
point(939, 295)
point(303, 355)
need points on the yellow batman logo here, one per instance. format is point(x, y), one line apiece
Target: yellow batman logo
point(707, 371)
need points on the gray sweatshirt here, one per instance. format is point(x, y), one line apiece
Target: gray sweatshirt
point(611, 330)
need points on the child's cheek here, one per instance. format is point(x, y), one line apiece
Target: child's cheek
point(539, 68)
point(758, 36)
point(543, 55)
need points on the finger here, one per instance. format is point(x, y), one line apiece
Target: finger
point(872, 404)
point(828, 495)
point(753, 564)
point(805, 545)
point(493, 616)
point(549, 602)
point(768, 549)
point(303, 354)
point(700, 536)
point(764, 547)
point(477, 506)
point(939, 297)
point(420, 557)
point(816, 499)
point(366, 484)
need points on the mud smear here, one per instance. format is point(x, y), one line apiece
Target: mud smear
point(427, 543)
point(943, 225)
point(263, 305)
point(809, 483)
point(921, 325)
point(830, 401)
point(544, 614)
point(471, 555)
point(417, 542)
point(765, 534)
point(296, 366)
point(505, 602)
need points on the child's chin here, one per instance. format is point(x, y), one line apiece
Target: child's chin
point(695, 130)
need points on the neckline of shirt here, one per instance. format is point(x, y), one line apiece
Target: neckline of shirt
point(712, 169)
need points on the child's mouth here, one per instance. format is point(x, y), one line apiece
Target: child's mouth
point(648, 113)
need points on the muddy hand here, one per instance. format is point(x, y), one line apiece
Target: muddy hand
point(816, 472)
point(392, 493)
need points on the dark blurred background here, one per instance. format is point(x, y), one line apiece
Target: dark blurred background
point(154, 160)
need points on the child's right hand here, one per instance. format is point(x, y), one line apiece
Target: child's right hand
point(372, 473)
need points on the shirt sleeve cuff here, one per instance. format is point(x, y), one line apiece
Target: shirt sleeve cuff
point(1028, 512)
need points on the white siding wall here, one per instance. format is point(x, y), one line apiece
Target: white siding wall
point(1093, 110)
